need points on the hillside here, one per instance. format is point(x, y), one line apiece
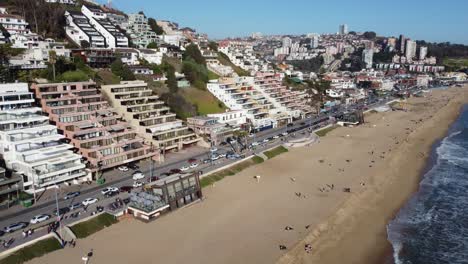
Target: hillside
point(224, 59)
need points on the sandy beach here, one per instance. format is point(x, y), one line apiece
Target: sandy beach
point(242, 221)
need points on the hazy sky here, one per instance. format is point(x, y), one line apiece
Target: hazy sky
point(431, 20)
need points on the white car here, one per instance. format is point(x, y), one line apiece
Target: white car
point(255, 144)
point(266, 140)
point(89, 201)
point(214, 149)
point(193, 165)
point(285, 134)
point(138, 176)
point(276, 137)
point(39, 218)
point(185, 168)
point(122, 168)
point(137, 184)
point(109, 189)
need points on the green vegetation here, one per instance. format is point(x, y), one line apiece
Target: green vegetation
point(371, 35)
point(312, 65)
point(212, 75)
point(87, 228)
point(455, 64)
point(193, 53)
point(275, 152)
point(196, 74)
point(154, 26)
point(205, 102)
point(73, 76)
point(35, 250)
point(445, 50)
point(152, 45)
point(217, 176)
point(120, 69)
point(213, 46)
point(224, 60)
point(107, 77)
point(324, 132)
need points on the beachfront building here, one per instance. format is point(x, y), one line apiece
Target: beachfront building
point(285, 101)
point(238, 93)
point(148, 114)
point(211, 129)
point(140, 31)
point(93, 127)
point(165, 195)
point(15, 25)
point(30, 146)
point(10, 186)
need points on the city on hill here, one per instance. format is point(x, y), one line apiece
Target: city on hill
point(96, 97)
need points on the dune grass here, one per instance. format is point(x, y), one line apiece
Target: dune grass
point(87, 228)
point(275, 152)
point(35, 250)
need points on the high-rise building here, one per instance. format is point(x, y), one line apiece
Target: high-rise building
point(314, 42)
point(401, 44)
point(368, 57)
point(422, 53)
point(343, 29)
point(410, 51)
point(391, 44)
point(30, 146)
point(287, 42)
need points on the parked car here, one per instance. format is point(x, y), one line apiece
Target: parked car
point(126, 189)
point(266, 140)
point(76, 206)
point(175, 171)
point(185, 168)
point(165, 174)
point(107, 190)
point(276, 137)
point(132, 166)
point(122, 168)
point(61, 211)
point(214, 149)
point(90, 201)
point(16, 226)
point(138, 175)
point(284, 133)
point(71, 195)
point(193, 165)
point(112, 193)
point(206, 161)
point(190, 161)
point(137, 184)
point(39, 218)
point(255, 144)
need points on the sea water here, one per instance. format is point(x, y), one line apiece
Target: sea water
point(433, 226)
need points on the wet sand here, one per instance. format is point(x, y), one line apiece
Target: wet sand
point(242, 221)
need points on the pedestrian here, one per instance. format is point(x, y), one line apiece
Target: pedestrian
point(24, 234)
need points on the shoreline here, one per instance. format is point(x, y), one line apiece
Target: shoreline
point(382, 250)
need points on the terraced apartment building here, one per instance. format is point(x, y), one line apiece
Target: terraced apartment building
point(30, 146)
point(149, 115)
point(91, 125)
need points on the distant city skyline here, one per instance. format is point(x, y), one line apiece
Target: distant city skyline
point(419, 20)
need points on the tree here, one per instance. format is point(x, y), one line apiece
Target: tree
point(171, 78)
point(152, 45)
point(192, 52)
point(120, 69)
point(155, 27)
point(312, 65)
point(370, 35)
point(213, 46)
point(197, 74)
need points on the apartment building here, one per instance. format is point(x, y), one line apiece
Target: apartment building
point(30, 146)
point(115, 38)
point(80, 30)
point(14, 24)
point(10, 186)
point(148, 114)
point(64, 2)
point(93, 127)
point(285, 101)
point(139, 30)
point(238, 93)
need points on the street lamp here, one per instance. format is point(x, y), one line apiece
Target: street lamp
point(56, 187)
point(151, 163)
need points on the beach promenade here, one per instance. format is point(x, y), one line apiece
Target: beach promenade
point(243, 221)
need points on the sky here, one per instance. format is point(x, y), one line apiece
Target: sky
point(430, 20)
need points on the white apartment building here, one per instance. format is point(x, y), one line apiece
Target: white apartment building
point(79, 29)
point(14, 24)
point(114, 37)
point(148, 114)
point(368, 57)
point(151, 55)
point(31, 146)
point(410, 50)
point(422, 53)
point(64, 2)
point(238, 94)
point(139, 30)
point(235, 118)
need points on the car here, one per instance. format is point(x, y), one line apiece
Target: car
point(122, 168)
point(71, 195)
point(132, 166)
point(255, 144)
point(112, 193)
point(175, 171)
point(137, 184)
point(214, 149)
point(284, 133)
point(220, 156)
point(276, 137)
point(206, 161)
point(290, 125)
point(266, 140)
point(165, 174)
point(76, 206)
point(126, 189)
point(190, 161)
point(107, 190)
point(16, 226)
point(61, 211)
point(39, 218)
point(138, 175)
point(185, 168)
point(193, 165)
point(90, 201)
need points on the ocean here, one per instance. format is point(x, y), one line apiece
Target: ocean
point(432, 227)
